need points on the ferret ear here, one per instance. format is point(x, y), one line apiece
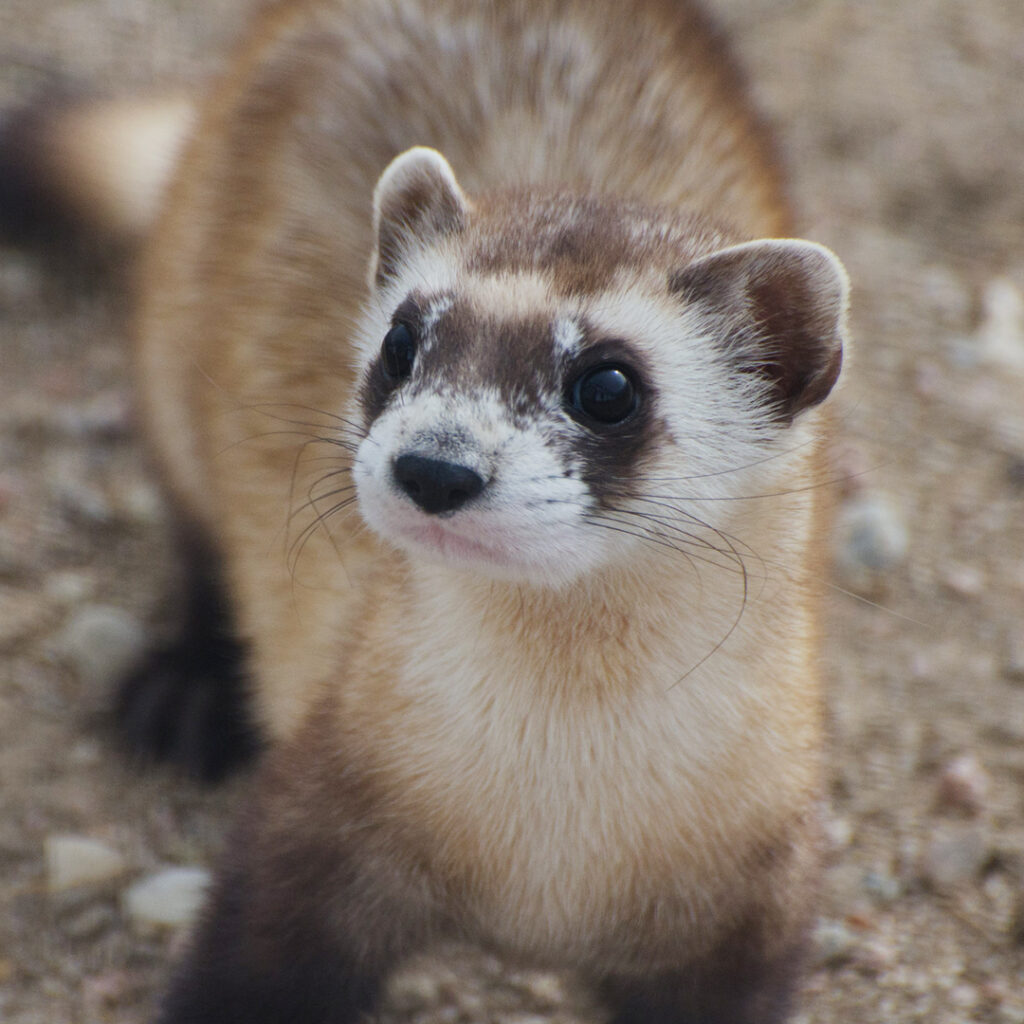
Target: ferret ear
point(417, 200)
point(777, 309)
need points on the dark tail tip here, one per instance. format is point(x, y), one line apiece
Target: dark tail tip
point(30, 211)
point(37, 214)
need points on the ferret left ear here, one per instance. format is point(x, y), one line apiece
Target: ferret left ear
point(777, 309)
point(417, 200)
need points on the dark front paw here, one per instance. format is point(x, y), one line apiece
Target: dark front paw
point(186, 704)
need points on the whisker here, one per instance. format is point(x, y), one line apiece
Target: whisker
point(319, 522)
point(641, 533)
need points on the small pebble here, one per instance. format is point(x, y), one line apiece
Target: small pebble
point(413, 989)
point(169, 899)
point(90, 923)
point(70, 586)
point(838, 834)
point(106, 416)
point(871, 537)
point(546, 988)
point(832, 943)
point(73, 862)
point(955, 859)
point(102, 991)
point(964, 580)
point(1013, 661)
point(83, 501)
point(22, 614)
point(100, 644)
point(964, 785)
point(139, 501)
point(876, 957)
point(964, 996)
point(882, 888)
point(1000, 335)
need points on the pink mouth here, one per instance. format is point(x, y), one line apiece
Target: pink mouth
point(457, 546)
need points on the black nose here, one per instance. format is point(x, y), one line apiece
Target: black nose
point(434, 485)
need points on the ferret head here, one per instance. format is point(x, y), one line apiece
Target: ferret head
point(549, 381)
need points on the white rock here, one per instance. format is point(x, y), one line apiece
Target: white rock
point(100, 643)
point(169, 899)
point(964, 784)
point(1001, 333)
point(74, 862)
point(964, 580)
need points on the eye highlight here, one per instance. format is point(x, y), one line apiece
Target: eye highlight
point(398, 352)
point(605, 394)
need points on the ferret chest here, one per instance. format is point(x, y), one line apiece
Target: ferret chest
point(545, 803)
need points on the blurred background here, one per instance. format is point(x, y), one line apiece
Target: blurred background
point(902, 127)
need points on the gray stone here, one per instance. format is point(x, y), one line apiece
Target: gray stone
point(99, 644)
point(832, 943)
point(91, 922)
point(954, 859)
point(74, 862)
point(168, 899)
point(1000, 335)
point(870, 537)
point(881, 887)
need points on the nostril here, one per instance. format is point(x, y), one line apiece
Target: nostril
point(435, 485)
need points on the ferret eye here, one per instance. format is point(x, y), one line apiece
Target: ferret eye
point(398, 352)
point(605, 393)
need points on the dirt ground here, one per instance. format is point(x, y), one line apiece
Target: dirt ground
point(903, 127)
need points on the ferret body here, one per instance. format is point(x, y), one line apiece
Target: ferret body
point(512, 459)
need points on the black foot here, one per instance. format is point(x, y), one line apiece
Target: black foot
point(187, 705)
point(187, 702)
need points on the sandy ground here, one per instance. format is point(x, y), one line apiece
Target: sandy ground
point(903, 126)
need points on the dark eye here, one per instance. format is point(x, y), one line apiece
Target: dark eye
point(605, 393)
point(398, 351)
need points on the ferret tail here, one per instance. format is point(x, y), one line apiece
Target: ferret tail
point(89, 167)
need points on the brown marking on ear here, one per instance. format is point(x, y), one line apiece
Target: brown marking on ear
point(416, 200)
point(777, 309)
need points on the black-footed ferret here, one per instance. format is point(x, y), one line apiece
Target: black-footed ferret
point(512, 458)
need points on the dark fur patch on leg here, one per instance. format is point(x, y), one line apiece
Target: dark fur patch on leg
point(737, 984)
point(186, 702)
point(239, 973)
point(313, 905)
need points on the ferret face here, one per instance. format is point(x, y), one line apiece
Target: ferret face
point(534, 413)
point(495, 440)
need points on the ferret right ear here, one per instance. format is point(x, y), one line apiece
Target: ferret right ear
point(776, 308)
point(416, 201)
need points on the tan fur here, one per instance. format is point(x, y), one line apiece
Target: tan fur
point(572, 761)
